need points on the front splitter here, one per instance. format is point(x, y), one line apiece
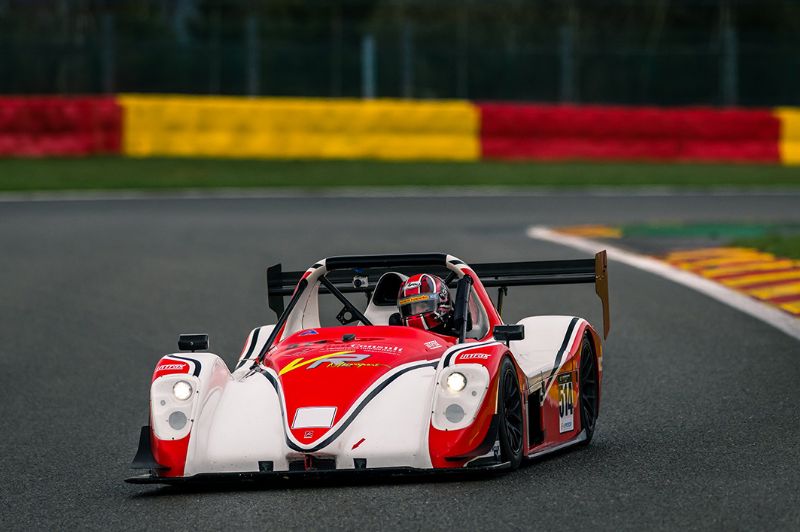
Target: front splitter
point(271, 476)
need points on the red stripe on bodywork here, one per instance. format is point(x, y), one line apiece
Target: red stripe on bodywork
point(168, 366)
point(171, 454)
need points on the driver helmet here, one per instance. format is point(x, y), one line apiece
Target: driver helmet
point(424, 302)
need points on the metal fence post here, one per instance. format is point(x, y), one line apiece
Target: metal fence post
point(368, 67)
point(107, 53)
point(729, 58)
point(408, 58)
point(253, 56)
point(337, 38)
point(214, 62)
point(566, 92)
point(462, 60)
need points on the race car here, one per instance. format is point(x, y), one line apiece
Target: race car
point(362, 391)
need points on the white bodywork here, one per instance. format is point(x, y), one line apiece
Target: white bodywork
point(237, 420)
point(544, 336)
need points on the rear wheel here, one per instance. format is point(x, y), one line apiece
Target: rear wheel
point(509, 410)
point(589, 388)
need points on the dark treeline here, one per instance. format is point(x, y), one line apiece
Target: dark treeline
point(646, 51)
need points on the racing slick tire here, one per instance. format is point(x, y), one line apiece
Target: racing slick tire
point(588, 388)
point(509, 410)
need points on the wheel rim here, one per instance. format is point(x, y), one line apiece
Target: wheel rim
point(512, 408)
point(588, 377)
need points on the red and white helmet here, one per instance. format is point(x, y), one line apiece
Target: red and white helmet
point(424, 301)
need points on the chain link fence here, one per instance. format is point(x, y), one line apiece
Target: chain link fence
point(661, 52)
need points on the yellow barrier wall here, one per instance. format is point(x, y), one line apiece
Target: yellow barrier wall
point(790, 135)
point(290, 128)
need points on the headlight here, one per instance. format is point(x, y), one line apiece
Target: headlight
point(456, 382)
point(182, 390)
point(459, 395)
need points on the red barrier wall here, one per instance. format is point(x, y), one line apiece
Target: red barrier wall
point(42, 126)
point(553, 132)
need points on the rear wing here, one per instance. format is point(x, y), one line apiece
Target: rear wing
point(505, 274)
point(360, 273)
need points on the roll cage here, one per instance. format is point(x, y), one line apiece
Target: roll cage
point(360, 274)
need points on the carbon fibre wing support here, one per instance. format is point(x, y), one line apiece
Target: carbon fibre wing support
point(497, 274)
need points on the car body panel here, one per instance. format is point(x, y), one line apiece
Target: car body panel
point(305, 398)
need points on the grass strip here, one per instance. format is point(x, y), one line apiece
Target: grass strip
point(780, 245)
point(113, 173)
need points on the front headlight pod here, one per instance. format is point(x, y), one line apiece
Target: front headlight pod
point(172, 400)
point(459, 393)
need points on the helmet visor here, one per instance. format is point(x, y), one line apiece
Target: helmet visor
point(416, 305)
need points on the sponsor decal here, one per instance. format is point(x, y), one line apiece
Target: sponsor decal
point(414, 299)
point(474, 356)
point(172, 367)
point(308, 434)
point(340, 359)
point(308, 332)
point(433, 344)
point(377, 348)
point(566, 403)
point(413, 284)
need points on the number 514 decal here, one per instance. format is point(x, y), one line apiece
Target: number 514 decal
point(566, 403)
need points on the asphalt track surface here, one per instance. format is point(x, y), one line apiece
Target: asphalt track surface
point(698, 426)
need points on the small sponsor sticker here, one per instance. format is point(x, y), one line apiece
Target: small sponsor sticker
point(473, 356)
point(341, 359)
point(378, 348)
point(414, 299)
point(566, 403)
point(308, 332)
point(308, 434)
point(433, 344)
point(171, 367)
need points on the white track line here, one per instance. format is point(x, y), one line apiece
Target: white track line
point(762, 311)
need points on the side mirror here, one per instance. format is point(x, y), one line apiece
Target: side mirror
point(193, 342)
point(509, 333)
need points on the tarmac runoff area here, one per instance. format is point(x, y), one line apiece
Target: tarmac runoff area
point(698, 426)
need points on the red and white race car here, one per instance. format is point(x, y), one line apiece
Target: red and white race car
point(369, 394)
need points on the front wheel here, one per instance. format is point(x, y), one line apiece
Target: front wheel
point(509, 411)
